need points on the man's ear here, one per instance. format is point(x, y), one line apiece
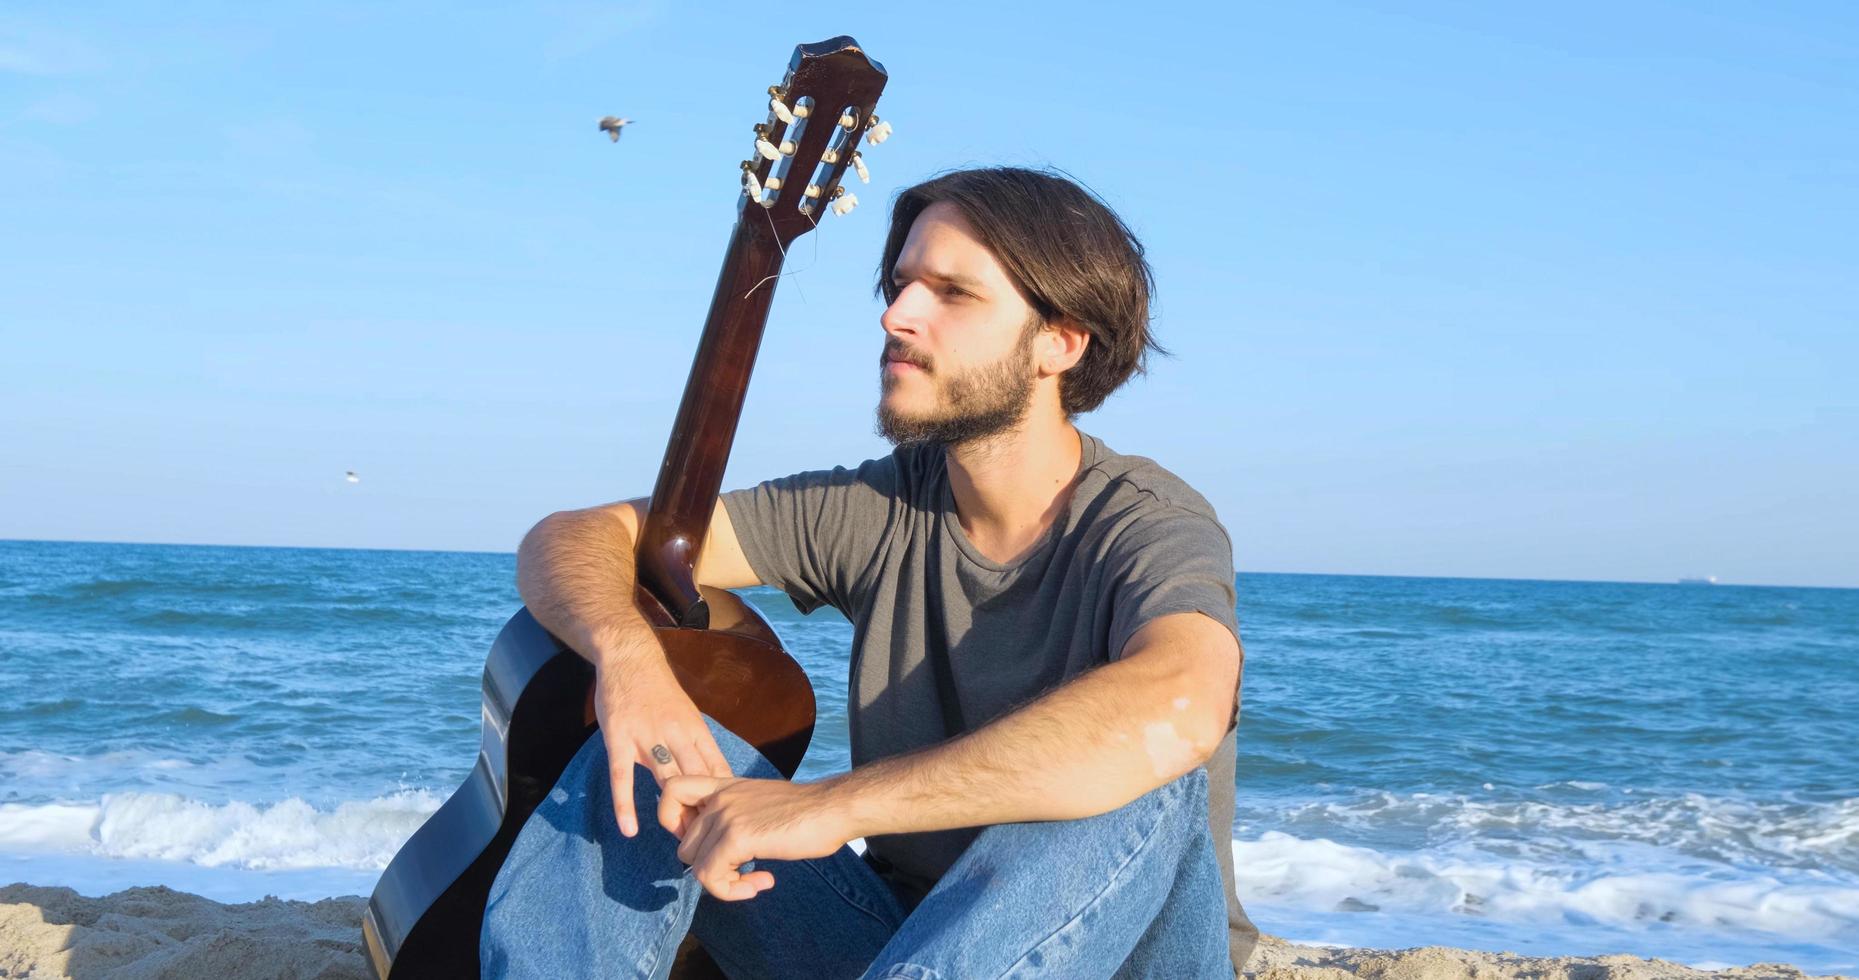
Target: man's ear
point(1061, 346)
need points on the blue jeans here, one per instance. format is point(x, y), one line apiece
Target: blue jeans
point(1131, 893)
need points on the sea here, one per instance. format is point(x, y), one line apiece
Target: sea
point(1546, 767)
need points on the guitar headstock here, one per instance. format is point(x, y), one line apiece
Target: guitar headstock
point(816, 119)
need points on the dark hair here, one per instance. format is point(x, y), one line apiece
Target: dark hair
point(1070, 256)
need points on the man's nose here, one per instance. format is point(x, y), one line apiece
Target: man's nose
point(905, 315)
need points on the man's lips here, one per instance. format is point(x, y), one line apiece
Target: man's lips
point(899, 364)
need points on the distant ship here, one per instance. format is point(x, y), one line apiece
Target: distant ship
point(1706, 580)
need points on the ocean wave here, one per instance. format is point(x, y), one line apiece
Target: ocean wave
point(1324, 875)
point(289, 834)
point(1273, 868)
point(292, 617)
point(40, 709)
point(1676, 831)
point(191, 715)
point(40, 768)
point(104, 588)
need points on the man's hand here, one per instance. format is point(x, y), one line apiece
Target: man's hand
point(641, 707)
point(726, 823)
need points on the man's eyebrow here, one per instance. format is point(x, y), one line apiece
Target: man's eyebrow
point(952, 278)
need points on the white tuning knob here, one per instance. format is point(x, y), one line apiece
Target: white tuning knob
point(781, 110)
point(767, 150)
point(844, 203)
point(751, 186)
point(879, 131)
point(858, 164)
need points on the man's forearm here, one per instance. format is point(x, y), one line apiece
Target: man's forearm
point(574, 571)
point(1085, 748)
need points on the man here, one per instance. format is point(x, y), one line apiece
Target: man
point(1045, 663)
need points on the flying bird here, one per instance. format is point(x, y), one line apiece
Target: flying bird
point(352, 478)
point(611, 126)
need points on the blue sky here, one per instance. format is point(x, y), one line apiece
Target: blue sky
point(1564, 291)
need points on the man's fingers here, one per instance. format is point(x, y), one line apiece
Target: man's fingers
point(690, 847)
point(678, 799)
point(726, 884)
point(714, 853)
point(620, 774)
point(691, 790)
point(701, 842)
point(738, 890)
point(713, 756)
point(690, 761)
point(658, 758)
point(672, 815)
point(719, 865)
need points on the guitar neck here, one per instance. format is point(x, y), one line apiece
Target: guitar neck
point(692, 471)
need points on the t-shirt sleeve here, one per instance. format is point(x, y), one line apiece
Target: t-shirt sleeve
point(811, 534)
point(1170, 561)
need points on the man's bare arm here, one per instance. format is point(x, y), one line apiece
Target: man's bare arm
point(1087, 747)
point(574, 571)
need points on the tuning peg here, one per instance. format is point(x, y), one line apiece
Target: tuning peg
point(848, 119)
point(787, 147)
point(781, 110)
point(844, 202)
point(767, 150)
point(879, 131)
point(751, 186)
point(858, 164)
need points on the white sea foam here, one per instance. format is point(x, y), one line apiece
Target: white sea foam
point(37, 764)
point(59, 826)
point(1691, 828)
point(165, 826)
point(1320, 874)
point(1643, 883)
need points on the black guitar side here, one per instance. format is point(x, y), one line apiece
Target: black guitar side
point(534, 693)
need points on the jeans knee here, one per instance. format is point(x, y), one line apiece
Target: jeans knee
point(1186, 793)
point(1193, 785)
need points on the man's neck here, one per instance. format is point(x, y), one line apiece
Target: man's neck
point(1010, 488)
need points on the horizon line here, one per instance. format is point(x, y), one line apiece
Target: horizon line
point(1237, 572)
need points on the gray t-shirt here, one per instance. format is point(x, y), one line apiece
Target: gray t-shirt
point(883, 544)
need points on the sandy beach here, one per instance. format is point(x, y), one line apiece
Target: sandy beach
point(150, 933)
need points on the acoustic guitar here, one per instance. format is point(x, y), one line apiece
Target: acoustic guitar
point(427, 910)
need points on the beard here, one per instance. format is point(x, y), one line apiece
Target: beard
point(972, 404)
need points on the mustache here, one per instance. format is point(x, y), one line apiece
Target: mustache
point(894, 350)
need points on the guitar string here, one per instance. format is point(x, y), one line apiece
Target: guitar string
point(811, 262)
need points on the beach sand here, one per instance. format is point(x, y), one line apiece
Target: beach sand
point(148, 933)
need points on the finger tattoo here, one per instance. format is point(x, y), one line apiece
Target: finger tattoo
point(661, 755)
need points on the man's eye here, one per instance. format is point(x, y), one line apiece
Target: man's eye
point(954, 291)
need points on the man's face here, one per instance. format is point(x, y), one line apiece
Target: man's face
point(958, 351)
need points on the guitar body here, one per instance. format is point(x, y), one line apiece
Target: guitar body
point(538, 710)
point(425, 915)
